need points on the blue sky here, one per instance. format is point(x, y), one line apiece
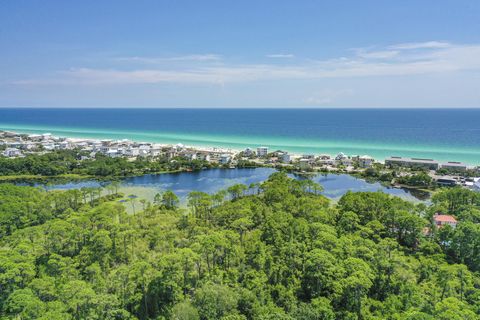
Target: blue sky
point(269, 53)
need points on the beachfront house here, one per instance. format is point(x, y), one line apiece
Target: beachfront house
point(248, 152)
point(262, 152)
point(286, 158)
point(347, 162)
point(365, 161)
point(308, 156)
point(326, 162)
point(416, 163)
point(454, 166)
point(9, 134)
point(106, 142)
point(35, 137)
point(340, 156)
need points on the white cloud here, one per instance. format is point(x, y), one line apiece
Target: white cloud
point(280, 55)
point(191, 57)
point(430, 58)
point(385, 54)
point(421, 45)
point(326, 97)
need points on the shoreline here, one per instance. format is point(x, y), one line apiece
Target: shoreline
point(292, 168)
point(181, 158)
point(236, 148)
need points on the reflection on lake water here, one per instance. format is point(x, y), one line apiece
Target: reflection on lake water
point(213, 180)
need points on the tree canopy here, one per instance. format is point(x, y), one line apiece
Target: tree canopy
point(277, 250)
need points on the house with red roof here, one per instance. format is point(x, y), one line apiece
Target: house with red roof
point(444, 219)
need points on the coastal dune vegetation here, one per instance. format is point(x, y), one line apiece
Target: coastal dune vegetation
point(69, 163)
point(272, 250)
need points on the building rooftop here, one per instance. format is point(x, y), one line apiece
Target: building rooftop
point(366, 157)
point(444, 218)
point(454, 164)
point(413, 160)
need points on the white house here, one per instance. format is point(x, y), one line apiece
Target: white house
point(64, 145)
point(304, 164)
point(262, 151)
point(365, 161)
point(35, 137)
point(132, 152)
point(29, 146)
point(286, 158)
point(190, 155)
point(341, 156)
point(143, 152)
point(248, 152)
point(454, 166)
point(15, 144)
point(204, 156)
point(308, 156)
point(155, 152)
point(49, 146)
point(324, 157)
point(113, 153)
point(82, 144)
point(224, 159)
point(346, 162)
point(12, 152)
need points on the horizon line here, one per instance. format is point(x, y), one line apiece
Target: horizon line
point(233, 108)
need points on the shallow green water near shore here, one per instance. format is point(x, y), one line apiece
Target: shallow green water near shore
point(445, 135)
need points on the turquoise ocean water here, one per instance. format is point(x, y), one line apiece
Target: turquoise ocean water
point(442, 134)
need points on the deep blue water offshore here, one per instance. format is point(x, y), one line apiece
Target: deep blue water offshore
point(442, 134)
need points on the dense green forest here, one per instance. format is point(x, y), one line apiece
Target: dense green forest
point(275, 250)
point(63, 162)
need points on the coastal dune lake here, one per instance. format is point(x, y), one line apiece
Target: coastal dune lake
point(213, 180)
point(441, 134)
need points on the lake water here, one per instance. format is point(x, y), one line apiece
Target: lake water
point(213, 180)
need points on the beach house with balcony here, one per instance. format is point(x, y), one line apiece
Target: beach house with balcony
point(262, 152)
